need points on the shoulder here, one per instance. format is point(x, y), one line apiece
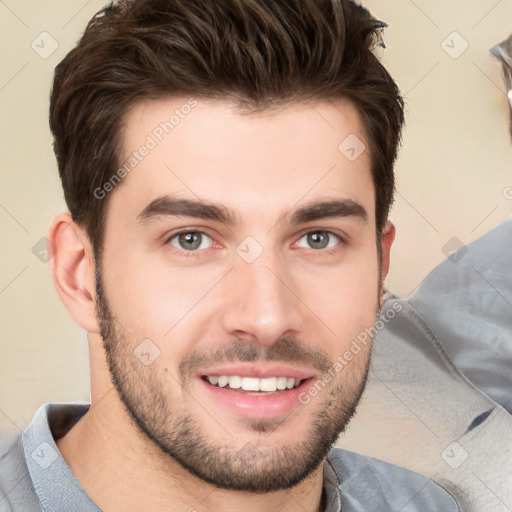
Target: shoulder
point(363, 480)
point(17, 492)
point(32, 471)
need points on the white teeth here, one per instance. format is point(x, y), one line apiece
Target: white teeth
point(268, 384)
point(281, 382)
point(250, 383)
point(235, 382)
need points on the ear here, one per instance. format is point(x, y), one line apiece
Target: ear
point(72, 265)
point(386, 240)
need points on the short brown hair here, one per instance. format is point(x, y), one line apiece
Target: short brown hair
point(256, 52)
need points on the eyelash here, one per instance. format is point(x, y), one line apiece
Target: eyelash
point(197, 253)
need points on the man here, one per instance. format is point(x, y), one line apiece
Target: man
point(228, 167)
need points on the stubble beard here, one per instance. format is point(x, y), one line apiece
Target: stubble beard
point(168, 424)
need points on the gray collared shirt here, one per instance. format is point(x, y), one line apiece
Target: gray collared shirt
point(34, 477)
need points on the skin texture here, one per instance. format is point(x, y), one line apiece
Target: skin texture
point(158, 439)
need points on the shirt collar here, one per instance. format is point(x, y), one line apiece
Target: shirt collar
point(44, 461)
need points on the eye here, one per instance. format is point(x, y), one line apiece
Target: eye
point(191, 240)
point(319, 240)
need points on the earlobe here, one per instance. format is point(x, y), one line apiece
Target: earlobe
point(72, 266)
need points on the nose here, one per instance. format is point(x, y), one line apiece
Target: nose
point(262, 304)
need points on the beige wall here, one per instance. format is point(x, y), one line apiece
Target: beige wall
point(453, 169)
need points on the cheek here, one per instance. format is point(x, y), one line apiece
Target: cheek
point(345, 298)
point(154, 301)
point(150, 289)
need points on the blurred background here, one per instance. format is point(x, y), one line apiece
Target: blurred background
point(454, 175)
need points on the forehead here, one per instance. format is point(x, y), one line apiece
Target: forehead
point(258, 163)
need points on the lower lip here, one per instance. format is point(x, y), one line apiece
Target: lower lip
point(257, 406)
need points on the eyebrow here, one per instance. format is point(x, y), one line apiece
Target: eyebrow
point(328, 209)
point(178, 207)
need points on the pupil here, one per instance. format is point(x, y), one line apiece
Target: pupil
point(318, 240)
point(190, 240)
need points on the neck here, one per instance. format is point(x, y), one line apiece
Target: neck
point(121, 470)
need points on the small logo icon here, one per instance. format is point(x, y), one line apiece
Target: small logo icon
point(44, 45)
point(250, 453)
point(43, 250)
point(454, 45)
point(507, 192)
point(352, 147)
point(44, 455)
point(455, 250)
point(454, 455)
point(249, 249)
point(147, 352)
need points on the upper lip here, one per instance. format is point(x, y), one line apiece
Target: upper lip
point(259, 370)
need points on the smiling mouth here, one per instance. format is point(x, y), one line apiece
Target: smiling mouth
point(253, 385)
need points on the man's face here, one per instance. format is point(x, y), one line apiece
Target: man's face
point(240, 249)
